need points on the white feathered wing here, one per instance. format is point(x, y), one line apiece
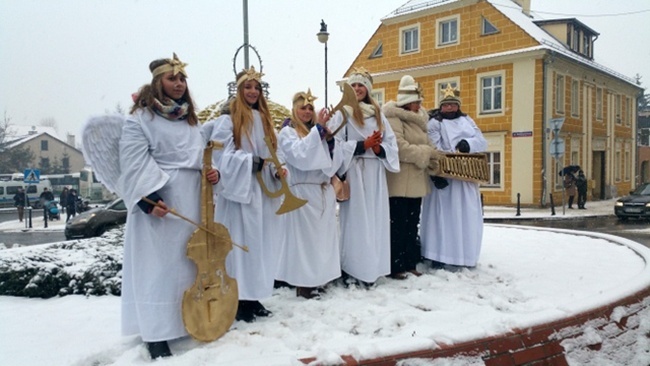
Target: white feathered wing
point(101, 148)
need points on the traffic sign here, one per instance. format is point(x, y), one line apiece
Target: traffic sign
point(556, 124)
point(557, 147)
point(32, 176)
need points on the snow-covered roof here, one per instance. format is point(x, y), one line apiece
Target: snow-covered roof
point(19, 134)
point(527, 23)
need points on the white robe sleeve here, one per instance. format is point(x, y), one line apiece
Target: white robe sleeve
point(389, 143)
point(344, 145)
point(140, 174)
point(307, 153)
point(235, 166)
point(477, 143)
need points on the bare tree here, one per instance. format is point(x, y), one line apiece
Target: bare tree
point(50, 122)
point(12, 160)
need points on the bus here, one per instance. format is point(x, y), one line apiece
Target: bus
point(60, 181)
point(9, 188)
point(91, 189)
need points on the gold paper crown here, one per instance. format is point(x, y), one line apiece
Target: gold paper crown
point(307, 97)
point(175, 65)
point(362, 71)
point(450, 95)
point(250, 74)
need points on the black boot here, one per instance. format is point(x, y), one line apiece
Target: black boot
point(245, 311)
point(158, 349)
point(259, 309)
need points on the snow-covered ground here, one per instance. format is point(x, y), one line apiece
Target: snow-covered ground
point(526, 276)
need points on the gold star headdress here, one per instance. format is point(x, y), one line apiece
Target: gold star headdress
point(250, 74)
point(450, 95)
point(175, 65)
point(308, 98)
point(362, 71)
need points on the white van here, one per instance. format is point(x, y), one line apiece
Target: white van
point(8, 190)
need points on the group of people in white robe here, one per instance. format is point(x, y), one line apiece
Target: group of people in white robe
point(385, 154)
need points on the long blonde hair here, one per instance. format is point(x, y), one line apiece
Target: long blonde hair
point(357, 114)
point(242, 115)
point(299, 125)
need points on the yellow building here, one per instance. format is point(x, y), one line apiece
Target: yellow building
point(515, 75)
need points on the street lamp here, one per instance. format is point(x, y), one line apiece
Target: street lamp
point(323, 36)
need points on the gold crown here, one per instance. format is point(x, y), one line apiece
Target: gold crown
point(362, 71)
point(175, 65)
point(307, 97)
point(250, 74)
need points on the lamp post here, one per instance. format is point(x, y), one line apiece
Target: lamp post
point(323, 36)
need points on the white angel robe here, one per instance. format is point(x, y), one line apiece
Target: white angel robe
point(246, 211)
point(310, 255)
point(158, 155)
point(451, 228)
point(365, 218)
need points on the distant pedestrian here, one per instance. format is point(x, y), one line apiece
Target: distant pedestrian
point(20, 201)
point(570, 186)
point(581, 184)
point(63, 198)
point(70, 204)
point(46, 196)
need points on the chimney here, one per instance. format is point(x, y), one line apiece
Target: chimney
point(525, 6)
point(70, 140)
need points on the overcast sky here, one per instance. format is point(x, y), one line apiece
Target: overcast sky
point(69, 59)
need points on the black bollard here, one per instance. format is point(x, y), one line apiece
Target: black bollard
point(44, 216)
point(518, 205)
point(552, 205)
point(30, 216)
point(482, 207)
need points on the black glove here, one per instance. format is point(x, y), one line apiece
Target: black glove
point(439, 182)
point(462, 146)
point(258, 164)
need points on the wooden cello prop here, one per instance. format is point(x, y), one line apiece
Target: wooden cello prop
point(210, 304)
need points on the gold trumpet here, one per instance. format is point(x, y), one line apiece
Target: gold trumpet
point(349, 98)
point(290, 201)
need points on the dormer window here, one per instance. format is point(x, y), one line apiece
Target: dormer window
point(577, 36)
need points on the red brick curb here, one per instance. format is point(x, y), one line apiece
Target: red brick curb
point(537, 345)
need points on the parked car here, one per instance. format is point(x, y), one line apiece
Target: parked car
point(636, 205)
point(96, 221)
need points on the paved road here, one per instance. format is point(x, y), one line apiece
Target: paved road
point(27, 238)
point(636, 230)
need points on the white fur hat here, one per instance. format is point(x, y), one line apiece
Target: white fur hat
point(409, 91)
point(361, 76)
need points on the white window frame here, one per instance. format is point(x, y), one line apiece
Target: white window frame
point(628, 162)
point(492, 164)
point(441, 84)
point(484, 32)
point(378, 95)
point(480, 92)
point(496, 144)
point(618, 172)
point(560, 86)
point(628, 111)
point(575, 98)
point(559, 179)
point(599, 104)
point(378, 51)
point(402, 35)
point(617, 109)
point(440, 33)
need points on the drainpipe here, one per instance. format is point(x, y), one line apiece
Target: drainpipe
point(542, 200)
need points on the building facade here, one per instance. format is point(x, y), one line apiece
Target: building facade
point(48, 150)
point(515, 75)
